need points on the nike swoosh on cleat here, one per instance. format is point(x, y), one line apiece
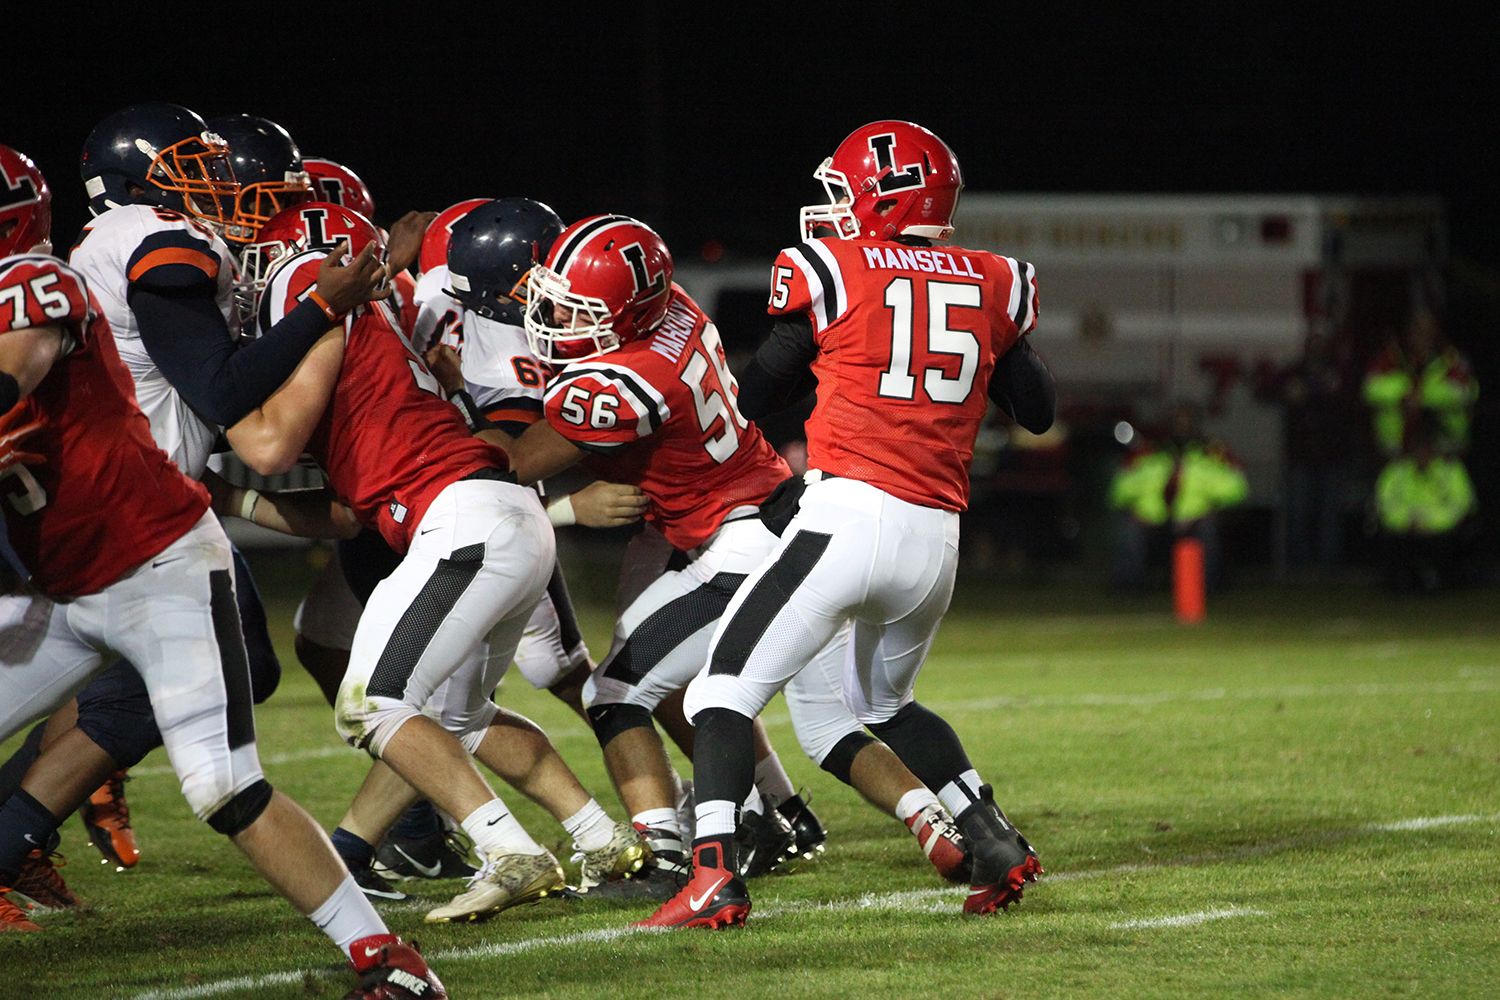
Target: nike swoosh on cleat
point(697, 902)
point(371, 952)
point(28, 839)
point(430, 871)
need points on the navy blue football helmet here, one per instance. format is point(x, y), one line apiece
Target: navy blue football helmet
point(268, 166)
point(159, 154)
point(493, 249)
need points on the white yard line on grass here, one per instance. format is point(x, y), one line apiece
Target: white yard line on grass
point(915, 900)
point(280, 758)
point(1186, 919)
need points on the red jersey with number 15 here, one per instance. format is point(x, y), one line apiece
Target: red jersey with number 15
point(388, 442)
point(105, 498)
point(907, 338)
point(661, 413)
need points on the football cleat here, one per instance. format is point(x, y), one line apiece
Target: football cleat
point(442, 855)
point(505, 880)
point(374, 886)
point(944, 846)
point(763, 840)
point(811, 836)
point(39, 881)
point(652, 882)
point(714, 897)
point(624, 855)
point(12, 917)
point(106, 817)
point(1003, 861)
point(390, 969)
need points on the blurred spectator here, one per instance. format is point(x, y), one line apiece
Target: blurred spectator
point(1321, 415)
point(1426, 507)
point(1170, 491)
point(1422, 372)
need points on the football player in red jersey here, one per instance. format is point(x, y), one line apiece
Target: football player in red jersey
point(152, 582)
point(907, 343)
point(644, 396)
point(477, 554)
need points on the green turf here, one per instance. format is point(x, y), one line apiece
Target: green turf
point(1217, 808)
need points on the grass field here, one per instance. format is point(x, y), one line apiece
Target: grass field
point(1297, 798)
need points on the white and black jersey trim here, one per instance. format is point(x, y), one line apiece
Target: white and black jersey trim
point(642, 394)
point(1022, 306)
point(825, 282)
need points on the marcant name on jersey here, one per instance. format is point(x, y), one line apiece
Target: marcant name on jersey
point(672, 336)
point(918, 259)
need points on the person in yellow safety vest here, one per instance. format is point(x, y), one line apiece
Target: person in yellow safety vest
point(1172, 491)
point(1423, 373)
point(1425, 502)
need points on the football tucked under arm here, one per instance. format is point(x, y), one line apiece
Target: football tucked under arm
point(1022, 386)
point(780, 374)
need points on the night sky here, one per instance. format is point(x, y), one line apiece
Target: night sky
point(709, 128)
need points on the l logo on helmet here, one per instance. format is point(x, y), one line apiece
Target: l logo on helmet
point(16, 193)
point(643, 282)
point(888, 181)
point(313, 223)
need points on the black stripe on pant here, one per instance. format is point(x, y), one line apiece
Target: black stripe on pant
point(669, 626)
point(766, 600)
point(421, 620)
point(239, 711)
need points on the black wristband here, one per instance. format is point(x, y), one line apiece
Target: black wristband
point(470, 409)
point(10, 392)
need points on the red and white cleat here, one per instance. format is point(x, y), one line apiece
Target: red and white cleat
point(714, 897)
point(390, 969)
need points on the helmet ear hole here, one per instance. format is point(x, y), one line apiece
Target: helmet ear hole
point(884, 206)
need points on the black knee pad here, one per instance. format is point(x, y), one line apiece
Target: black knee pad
point(242, 810)
point(115, 712)
point(903, 714)
point(926, 744)
point(841, 758)
point(612, 720)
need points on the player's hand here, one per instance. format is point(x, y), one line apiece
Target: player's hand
point(444, 363)
point(344, 286)
point(12, 432)
point(609, 505)
point(405, 241)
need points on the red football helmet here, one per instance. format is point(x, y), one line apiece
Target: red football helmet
point(607, 281)
point(25, 205)
point(313, 225)
point(435, 241)
point(340, 185)
point(887, 179)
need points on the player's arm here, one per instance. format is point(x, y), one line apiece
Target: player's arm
point(780, 374)
point(271, 437)
point(173, 294)
point(538, 453)
point(405, 242)
point(305, 513)
point(1022, 386)
point(26, 356)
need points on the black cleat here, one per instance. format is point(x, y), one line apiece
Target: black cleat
point(442, 855)
point(1003, 860)
point(376, 888)
point(811, 836)
point(763, 841)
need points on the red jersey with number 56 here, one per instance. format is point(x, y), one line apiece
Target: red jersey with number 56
point(388, 442)
point(907, 338)
point(104, 498)
point(661, 413)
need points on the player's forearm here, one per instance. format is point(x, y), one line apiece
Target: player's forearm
point(536, 454)
point(272, 438)
point(188, 339)
point(1023, 387)
point(780, 373)
point(305, 513)
point(26, 356)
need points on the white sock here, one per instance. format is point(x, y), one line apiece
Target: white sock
point(658, 819)
point(346, 916)
point(772, 781)
point(753, 802)
point(496, 831)
point(715, 819)
point(914, 802)
point(960, 793)
point(590, 827)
